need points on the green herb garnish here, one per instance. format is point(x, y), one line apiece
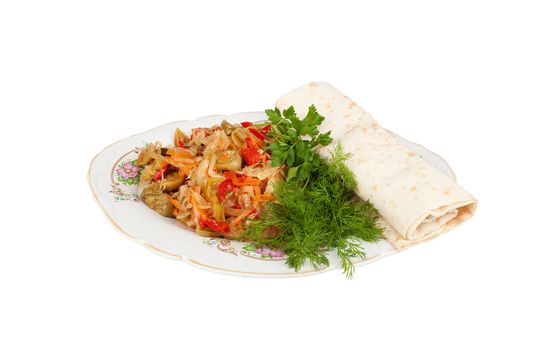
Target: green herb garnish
point(294, 141)
point(316, 208)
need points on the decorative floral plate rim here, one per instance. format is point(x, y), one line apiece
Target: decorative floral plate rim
point(113, 173)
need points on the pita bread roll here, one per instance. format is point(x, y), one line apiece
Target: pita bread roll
point(415, 199)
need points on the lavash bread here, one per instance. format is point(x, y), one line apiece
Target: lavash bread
point(417, 201)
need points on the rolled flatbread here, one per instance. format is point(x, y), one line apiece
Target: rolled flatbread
point(416, 200)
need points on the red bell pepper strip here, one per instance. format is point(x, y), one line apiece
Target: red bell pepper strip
point(214, 225)
point(225, 188)
point(249, 143)
point(265, 129)
point(257, 133)
point(246, 124)
point(159, 174)
point(250, 154)
point(181, 144)
point(229, 175)
point(234, 177)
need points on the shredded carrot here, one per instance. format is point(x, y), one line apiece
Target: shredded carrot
point(177, 152)
point(249, 181)
point(267, 197)
point(180, 162)
point(196, 207)
point(174, 202)
point(229, 174)
point(184, 170)
point(241, 217)
point(257, 198)
point(232, 211)
point(259, 143)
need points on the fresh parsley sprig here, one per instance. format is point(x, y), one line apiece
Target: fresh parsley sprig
point(294, 141)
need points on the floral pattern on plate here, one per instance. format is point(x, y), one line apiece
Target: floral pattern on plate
point(264, 253)
point(248, 250)
point(125, 177)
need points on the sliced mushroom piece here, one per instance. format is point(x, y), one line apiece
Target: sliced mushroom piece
point(239, 137)
point(146, 154)
point(227, 127)
point(179, 136)
point(229, 160)
point(171, 182)
point(144, 157)
point(155, 199)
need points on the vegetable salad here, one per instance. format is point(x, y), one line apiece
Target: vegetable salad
point(214, 180)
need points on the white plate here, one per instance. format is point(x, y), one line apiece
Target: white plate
point(112, 180)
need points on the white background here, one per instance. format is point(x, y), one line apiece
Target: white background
point(474, 81)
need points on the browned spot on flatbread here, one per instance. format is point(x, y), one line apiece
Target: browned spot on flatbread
point(313, 85)
point(328, 105)
point(351, 105)
point(411, 154)
point(446, 192)
point(413, 189)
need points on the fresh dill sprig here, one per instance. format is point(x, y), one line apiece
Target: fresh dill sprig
point(316, 214)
